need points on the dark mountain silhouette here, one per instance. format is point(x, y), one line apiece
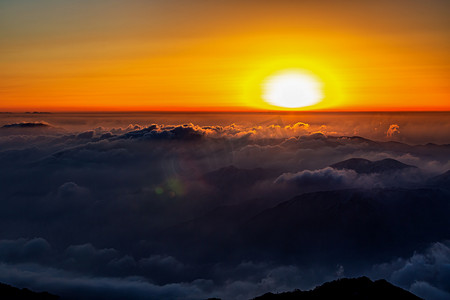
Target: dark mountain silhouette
point(365, 166)
point(361, 226)
point(13, 293)
point(218, 228)
point(440, 152)
point(442, 180)
point(27, 125)
point(361, 288)
point(357, 224)
point(30, 128)
point(359, 140)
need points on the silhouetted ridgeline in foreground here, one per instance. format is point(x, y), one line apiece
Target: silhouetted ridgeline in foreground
point(361, 288)
point(8, 292)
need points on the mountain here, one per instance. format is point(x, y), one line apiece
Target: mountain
point(217, 228)
point(27, 125)
point(29, 128)
point(361, 226)
point(358, 224)
point(365, 166)
point(442, 181)
point(13, 293)
point(361, 288)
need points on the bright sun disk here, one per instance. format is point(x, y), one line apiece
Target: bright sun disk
point(292, 89)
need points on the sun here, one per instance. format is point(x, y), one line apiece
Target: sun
point(292, 89)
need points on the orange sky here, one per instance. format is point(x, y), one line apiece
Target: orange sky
point(213, 55)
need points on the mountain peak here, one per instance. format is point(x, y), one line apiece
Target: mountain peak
point(346, 288)
point(365, 166)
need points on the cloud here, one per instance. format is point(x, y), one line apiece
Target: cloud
point(393, 131)
point(88, 272)
point(191, 131)
point(426, 274)
point(24, 250)
point(87, 255)
point(147, 208)
point(71, 190)
point(89, 260)
point(72, 286)
point(427, 291)
point(354, 173)
point(323, 179)
point(85, 135)
point(80, 274)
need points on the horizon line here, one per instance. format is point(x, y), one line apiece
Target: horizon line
point(218, 112)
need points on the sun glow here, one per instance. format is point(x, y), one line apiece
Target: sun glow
point(292, 89)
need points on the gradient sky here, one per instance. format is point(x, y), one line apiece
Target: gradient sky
point(213, 55)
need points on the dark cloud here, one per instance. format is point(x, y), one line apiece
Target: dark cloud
point(427, 273)
point(91, 273)
point(86, 135)
point(24, 250)
point(73, 286)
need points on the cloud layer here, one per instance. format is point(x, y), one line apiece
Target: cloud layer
point(165, 211)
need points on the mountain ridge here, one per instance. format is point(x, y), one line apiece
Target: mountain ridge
point(365, 166)
point(361, 288)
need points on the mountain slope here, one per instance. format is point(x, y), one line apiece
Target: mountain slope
point(365, 166)
point(13, 293)
point(356, 224)
point(361, 288)
point(442, 181)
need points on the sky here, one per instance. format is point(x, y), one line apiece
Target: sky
point(138, 55)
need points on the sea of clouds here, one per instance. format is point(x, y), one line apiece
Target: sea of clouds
point(186, 211)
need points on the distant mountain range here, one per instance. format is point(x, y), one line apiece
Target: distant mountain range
point(442, 180)
point(355, 223)
point(365, 166)
point(364, 224)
